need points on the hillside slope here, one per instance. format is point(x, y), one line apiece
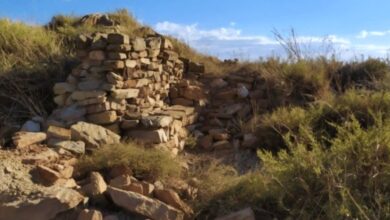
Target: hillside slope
point(300, 139)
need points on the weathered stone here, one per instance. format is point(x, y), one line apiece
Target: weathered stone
point(230, 94)
point(23, 139)
point(242, 91)
point(148, 188)
point(182, 101)
point(93, 135)
point(60, 100)
point(113, 77)
point(154, 42)
point(121, 182)
point(218, 83)
point(90, 84)
point(172, 198)
point(131, 63)
point(196, 67)
point(117, 38)
point(96, 108)
point(114, 128)
point(92, 101)
point(115, 64)
point(148, 136)
point(119, 170)
point(140, 204)
point(145, 61)
point(65, 171)
point(137, 83)
point(169, 55)
point(158, 121)
point(245, 214)
point(53, 201)
point(99, 41)
point(219, 134)
point(96, 55)
point(70, 113)
point(153, 53)
point(76, 147)
point(119, 47)
point(192, 92)
point(230, 110)
point(128, 124)
point(222, 145)
point(206, 142)
point(139, 44)
point(134, 187)
point(96, 185)
point(62, 88)
point(48, 175)
point(166, 44)
point(31, 126)
point(125, 93)
point(81, 95)
point(58, 133)
point(87, 214)
point(117, 56)
point(97, 20)
point(103, 117)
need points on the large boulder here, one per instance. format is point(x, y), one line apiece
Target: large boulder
point(93, 135)
point(142, 205)
point(43, 207)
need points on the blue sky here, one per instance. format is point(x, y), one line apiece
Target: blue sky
point(232, 28)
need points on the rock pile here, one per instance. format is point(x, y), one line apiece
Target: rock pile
point(224, 121)
point(123, 85)
point(135, 196)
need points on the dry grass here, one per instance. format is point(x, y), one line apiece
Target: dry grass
point(145, 163)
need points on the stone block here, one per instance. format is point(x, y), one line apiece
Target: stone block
point(58, 133)
point(117, 38)
point(125, 93)
point(103, 117)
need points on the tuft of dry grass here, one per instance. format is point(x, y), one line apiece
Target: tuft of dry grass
point(146, 163)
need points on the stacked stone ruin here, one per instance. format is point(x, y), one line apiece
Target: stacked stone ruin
point(126, 85)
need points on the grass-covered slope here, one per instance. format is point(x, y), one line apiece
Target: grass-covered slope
point(324, 136)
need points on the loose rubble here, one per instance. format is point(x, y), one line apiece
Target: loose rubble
point(138, 89)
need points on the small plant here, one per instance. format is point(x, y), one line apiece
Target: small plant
point(151, 163)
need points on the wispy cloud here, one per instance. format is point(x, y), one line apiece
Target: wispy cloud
point(365, 34)
point(232, 42)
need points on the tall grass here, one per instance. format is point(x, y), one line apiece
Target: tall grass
point(23, 46)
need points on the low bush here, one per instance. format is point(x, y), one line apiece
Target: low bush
point(348, 180)
point(369, 74)
point(145, 163)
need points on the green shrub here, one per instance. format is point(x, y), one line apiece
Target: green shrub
point(349, 180)
point(368, 74)
point(273, 126)
point(146, 163)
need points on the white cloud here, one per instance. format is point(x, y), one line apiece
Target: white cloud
point(364, 34)
point(192, 33)
point(231, 42)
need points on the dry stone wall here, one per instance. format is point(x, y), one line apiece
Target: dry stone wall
point(123, 84)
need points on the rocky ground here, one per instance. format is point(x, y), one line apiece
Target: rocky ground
point(128, 89)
